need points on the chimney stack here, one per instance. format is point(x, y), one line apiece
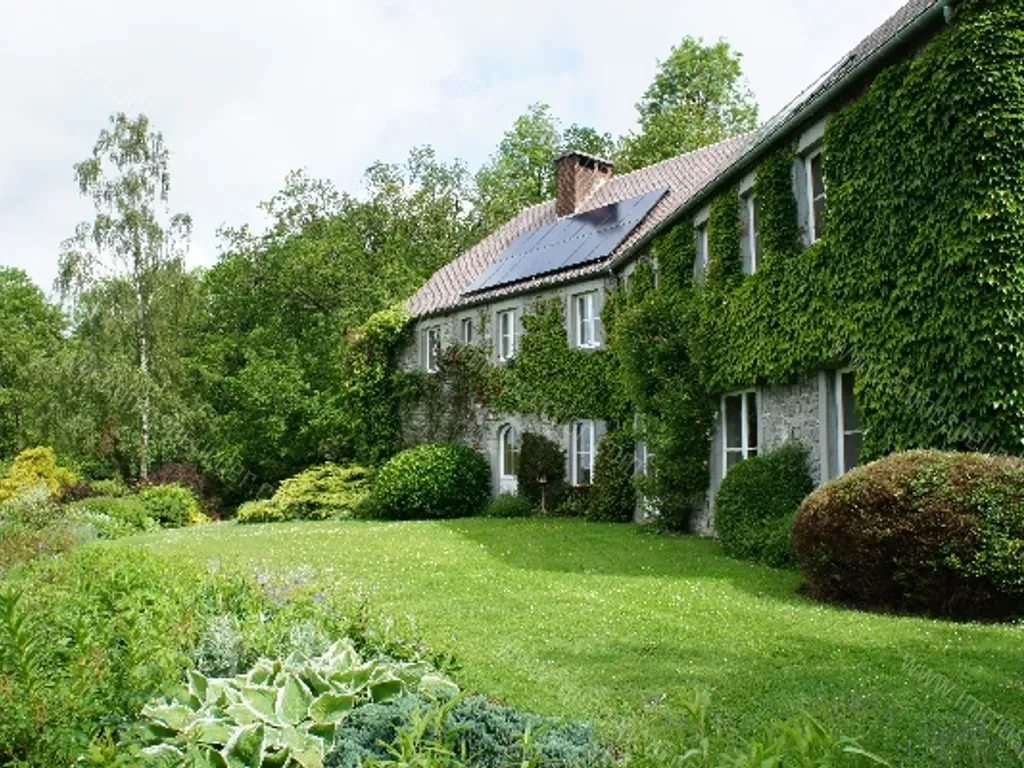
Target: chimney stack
point(577, 176)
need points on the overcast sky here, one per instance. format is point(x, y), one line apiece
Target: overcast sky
point(245, 91)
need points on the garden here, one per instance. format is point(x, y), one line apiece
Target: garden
point(397, 617)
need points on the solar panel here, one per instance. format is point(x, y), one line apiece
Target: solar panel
point(569, 242)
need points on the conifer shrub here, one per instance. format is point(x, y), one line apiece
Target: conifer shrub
point(613, 495)
point(540, 456)
point(756, 503)
point(431, 481)
point(33, 467)
point(926, 532)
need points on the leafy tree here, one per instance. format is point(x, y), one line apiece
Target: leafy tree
point(521, 172)
point(699, 96)
point(131, 240)
point(31, 332)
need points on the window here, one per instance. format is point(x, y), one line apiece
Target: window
point(815, 197)
point(582, 452)
point(508, 441)
point(848, 434)
point(586, 320)
point(740, 422)
point(753, 226)
point(432, 348)
point(507, 334)
point(702, 249)
point(466, 330)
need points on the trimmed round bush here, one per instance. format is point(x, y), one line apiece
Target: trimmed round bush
point(173, 506)
point(187, 475)
point(612, 495)
point(433, 481)
point(926, 532)
point(756, 503)
point(128, 510)
point(510, 505)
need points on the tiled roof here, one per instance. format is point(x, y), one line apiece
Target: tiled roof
point(683, 176)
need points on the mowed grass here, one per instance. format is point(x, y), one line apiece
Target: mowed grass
point(614, 625)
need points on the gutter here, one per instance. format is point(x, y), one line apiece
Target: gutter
point(942, 9)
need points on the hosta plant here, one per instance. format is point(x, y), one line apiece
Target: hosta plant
point(281, 714)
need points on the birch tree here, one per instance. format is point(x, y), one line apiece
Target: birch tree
point(133, 237)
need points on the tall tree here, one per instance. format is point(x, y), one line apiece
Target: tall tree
point(132, 238)
point(699, 96)
point(30, 330)
point(521, 171)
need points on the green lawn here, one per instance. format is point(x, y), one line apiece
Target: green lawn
point(612, 625)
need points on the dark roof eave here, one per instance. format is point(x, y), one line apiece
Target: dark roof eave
point(800, 116)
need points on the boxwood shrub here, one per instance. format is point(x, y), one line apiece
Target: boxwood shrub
point(920, 532)
point(510, 505)
point(433, 481)
point(173, 506)
point(756, 504)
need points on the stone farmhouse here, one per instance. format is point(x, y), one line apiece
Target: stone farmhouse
point(587, 242)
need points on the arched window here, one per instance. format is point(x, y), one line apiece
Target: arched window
point(508, 444)
point(582, 445)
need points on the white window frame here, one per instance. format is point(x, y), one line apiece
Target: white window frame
point(812, 227)
point(576, 453)
point(841, 431)
point(503, 435)
point(506, 352)
point(702, 247)
point(466, 330)
point(753, 239)
point(580, 300)
point(746, 450)
point(432, 348)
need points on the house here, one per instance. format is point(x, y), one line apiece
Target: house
point(588, 241)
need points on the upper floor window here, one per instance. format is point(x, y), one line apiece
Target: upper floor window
point(815, 197)
point(432, 348)
point(583, 451)
point(702, 249)
point(849, 433)
point(466, 330)
point(507, 334)
point(740, 425)
point(752, 226)
point(585, 308)
point(508, 440)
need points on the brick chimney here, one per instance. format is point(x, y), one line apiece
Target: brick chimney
point(577, 176)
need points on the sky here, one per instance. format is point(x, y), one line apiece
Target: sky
point(244, 91)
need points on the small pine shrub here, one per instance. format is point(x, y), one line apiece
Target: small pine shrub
point(33, 467)
point(756, 503)
point(433, 481)
point(510, 505)
point(927, 532)
point(326, 491)
point(540, 456)
point(613, 495)
point(173, 506)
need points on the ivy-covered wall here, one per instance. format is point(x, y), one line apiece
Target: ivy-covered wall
point(919, 280)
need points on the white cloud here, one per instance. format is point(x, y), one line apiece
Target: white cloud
point(245, 91)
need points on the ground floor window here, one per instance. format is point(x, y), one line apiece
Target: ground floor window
point(508, 441)
point(432, 348)
point(739, 419)
point(582, 452)
point(848, 435)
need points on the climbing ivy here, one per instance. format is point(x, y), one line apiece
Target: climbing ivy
point(724, 262)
